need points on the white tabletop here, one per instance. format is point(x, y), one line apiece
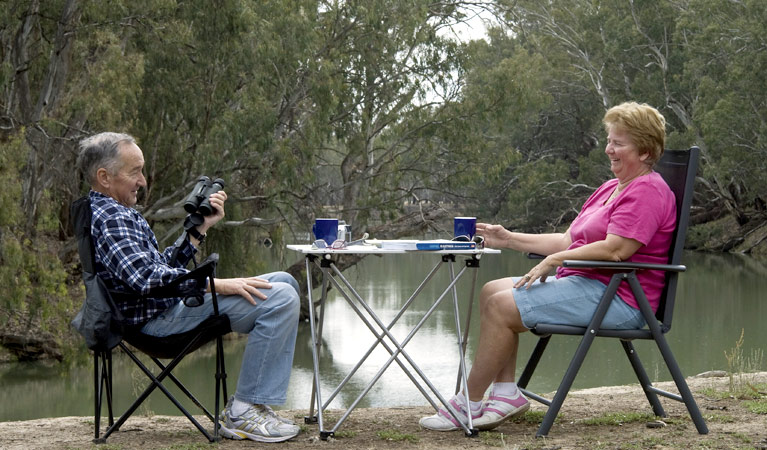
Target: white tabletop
point(367, 249)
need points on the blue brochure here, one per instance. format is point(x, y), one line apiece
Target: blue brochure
point(445, 245)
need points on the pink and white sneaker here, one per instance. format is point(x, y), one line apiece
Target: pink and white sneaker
point(498, 409)
point(444, 421)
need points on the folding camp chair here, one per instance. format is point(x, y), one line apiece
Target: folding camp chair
point(98, 321)
point(678, 170)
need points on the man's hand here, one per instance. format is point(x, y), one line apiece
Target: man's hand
point(244, 287)
point(217, 200)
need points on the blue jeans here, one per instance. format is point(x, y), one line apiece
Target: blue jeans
point(271, 327)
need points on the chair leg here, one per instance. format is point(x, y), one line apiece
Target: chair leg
point(220, 385)
point(183, 389)
point(530, 367)
point(580, 355)
point(566, 384)
point(668, 357)
point(102, 387)
point(644, 380)
point(96, 393)
point(156, 382)
point(681, 384)
point(532, 363)
point(109, 388)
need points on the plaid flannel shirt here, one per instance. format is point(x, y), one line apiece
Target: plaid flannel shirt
point(128, 258)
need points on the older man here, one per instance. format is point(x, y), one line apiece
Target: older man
point(128, 259)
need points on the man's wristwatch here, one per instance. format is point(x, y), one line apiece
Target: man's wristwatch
point(196, 234)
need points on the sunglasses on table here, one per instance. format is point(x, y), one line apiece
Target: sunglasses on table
point(479, 240)
point(339, 244)
point(335, 245)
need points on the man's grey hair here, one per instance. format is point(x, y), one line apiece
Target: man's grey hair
point(100, 151)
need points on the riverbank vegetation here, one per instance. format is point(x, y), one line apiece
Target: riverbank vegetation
point(369, 110)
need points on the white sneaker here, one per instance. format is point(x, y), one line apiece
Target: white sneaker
point(498, 409)
point(271, 412)
point(258, 423)
point(444, 421)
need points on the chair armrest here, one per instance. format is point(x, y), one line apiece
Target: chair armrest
point(612, 265)
point(204, 270)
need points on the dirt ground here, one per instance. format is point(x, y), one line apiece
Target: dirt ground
point(592, 418)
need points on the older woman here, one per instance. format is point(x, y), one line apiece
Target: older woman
point(628, 218)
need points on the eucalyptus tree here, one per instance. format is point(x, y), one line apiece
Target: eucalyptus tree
point(595, 54)
point(395, 76)
point(64, 67)
point(549, 122)
point(725, 43)
point(37, 40)
point(303, 105)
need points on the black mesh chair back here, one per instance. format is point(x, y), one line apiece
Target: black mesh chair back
point(678, 169)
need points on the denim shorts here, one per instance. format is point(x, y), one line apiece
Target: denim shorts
point(572, 300)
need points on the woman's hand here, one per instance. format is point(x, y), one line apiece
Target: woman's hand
point(244, 287)
point(496, 236)
point(541, 271)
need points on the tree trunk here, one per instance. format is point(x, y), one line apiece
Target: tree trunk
point(36, 175)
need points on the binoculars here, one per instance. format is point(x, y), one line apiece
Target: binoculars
point(199, 199)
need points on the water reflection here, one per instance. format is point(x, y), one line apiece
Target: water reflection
point(718, 296)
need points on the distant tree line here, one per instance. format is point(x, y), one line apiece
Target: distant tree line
point(359, 107)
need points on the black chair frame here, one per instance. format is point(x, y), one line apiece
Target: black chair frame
point(678, 168)
point(174, 347)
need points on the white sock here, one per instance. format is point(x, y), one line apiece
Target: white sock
point(475, 407)
point(505, 389)
point(239, 407)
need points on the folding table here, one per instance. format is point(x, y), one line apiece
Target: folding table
point(324, 260)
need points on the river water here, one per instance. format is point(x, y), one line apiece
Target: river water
point(719, 297)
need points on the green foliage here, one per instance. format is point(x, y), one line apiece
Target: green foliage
point(11, 160)
point(12, 256)
point(696, 61)
point(30, 270)
point(542, 189)
point(726, 56)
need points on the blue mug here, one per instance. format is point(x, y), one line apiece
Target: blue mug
point(325, 229)
point(465, 226)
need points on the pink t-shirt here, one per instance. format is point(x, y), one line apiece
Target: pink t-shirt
point(645, 211)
